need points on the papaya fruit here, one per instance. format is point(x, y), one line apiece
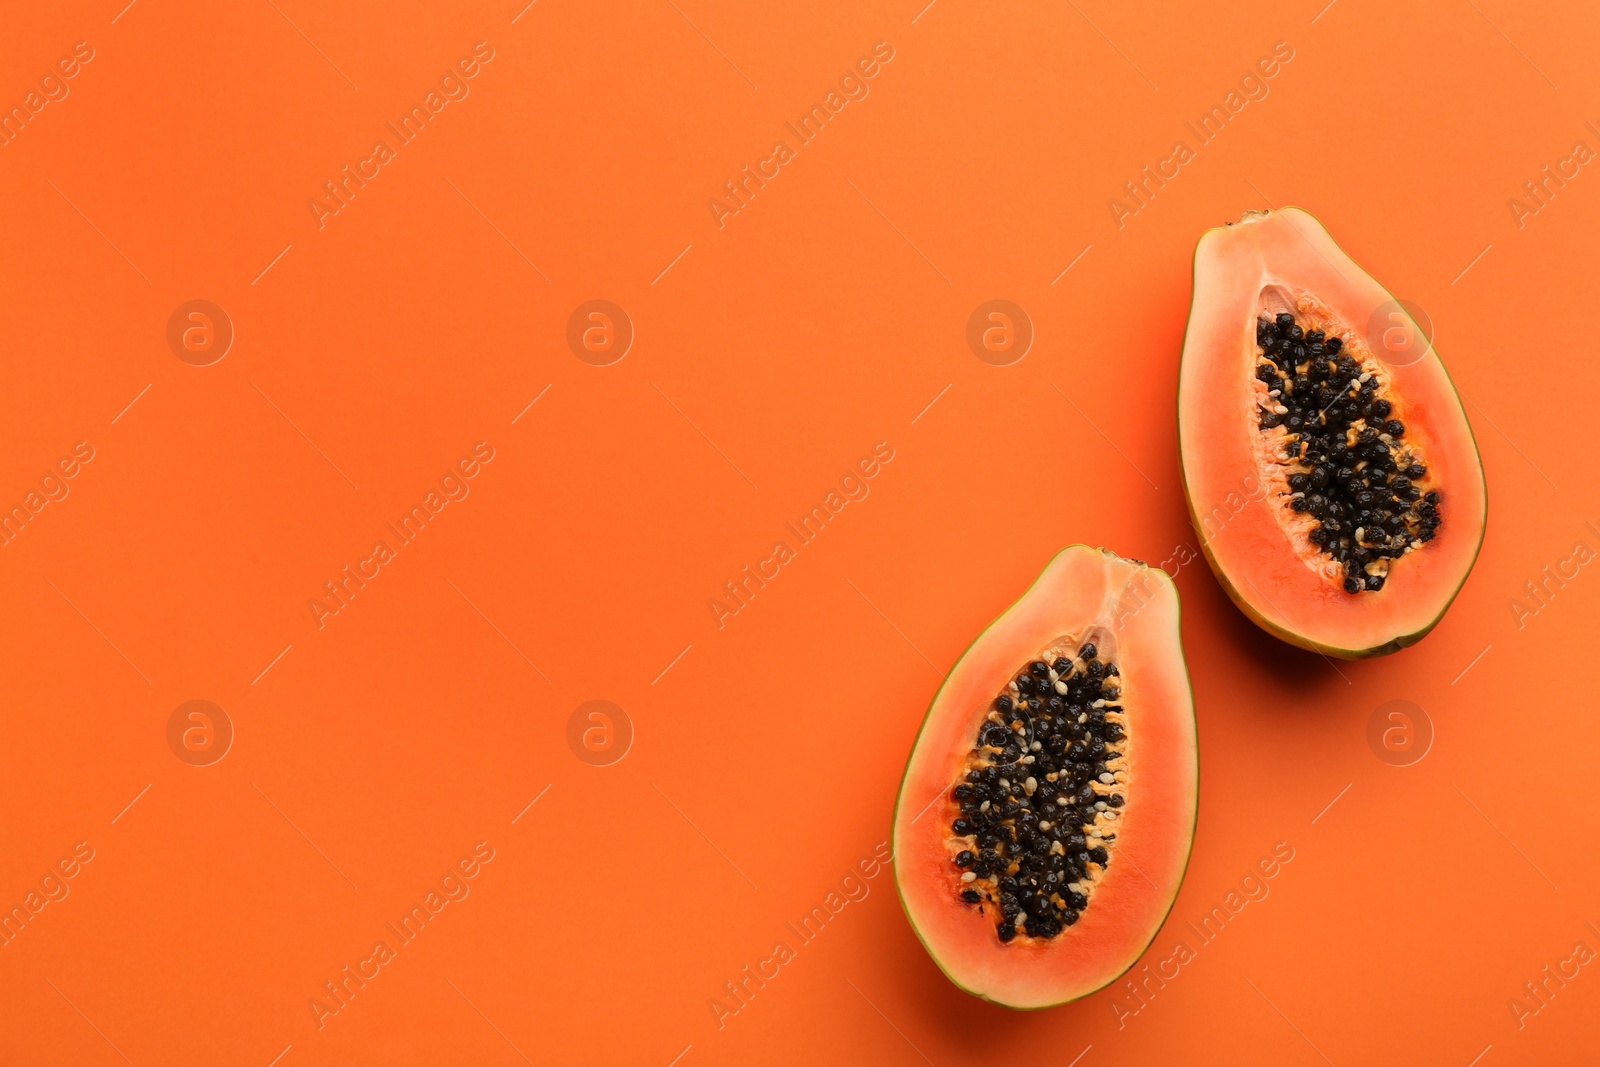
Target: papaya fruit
point(1331, 474)
point(1047, 810)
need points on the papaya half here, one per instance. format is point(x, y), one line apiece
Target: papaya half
point(1330, 471)
point(1044, 822)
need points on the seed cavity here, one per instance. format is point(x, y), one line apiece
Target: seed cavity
point(1349, 469)
point(1038, 794)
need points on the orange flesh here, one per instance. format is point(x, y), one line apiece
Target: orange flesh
point(1235, 485)
point(1082, 589)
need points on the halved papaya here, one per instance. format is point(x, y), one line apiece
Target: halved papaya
point(1331, 475)
point(1048, 806)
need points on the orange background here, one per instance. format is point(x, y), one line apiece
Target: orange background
point(769, 356)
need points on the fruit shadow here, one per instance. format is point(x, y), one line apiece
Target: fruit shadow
point(1301, 676)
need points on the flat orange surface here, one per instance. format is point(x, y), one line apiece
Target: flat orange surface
point(399, 501)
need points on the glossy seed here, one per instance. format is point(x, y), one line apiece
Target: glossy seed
point(1349, 471)
point(1064, 740)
